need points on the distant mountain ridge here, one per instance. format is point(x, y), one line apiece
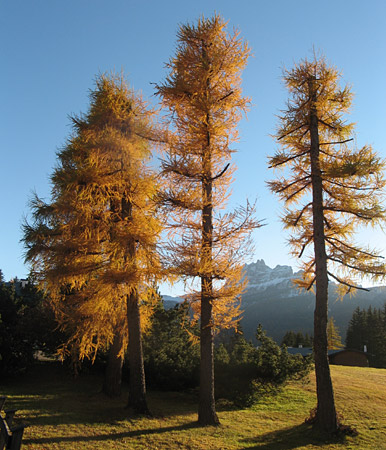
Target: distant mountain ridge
point(170, 302)
point(262, 277)
point(272, 300)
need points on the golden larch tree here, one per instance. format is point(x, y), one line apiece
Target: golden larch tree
point(93, 246)
point(330, 190)
point(203, 94)
point(334, 340)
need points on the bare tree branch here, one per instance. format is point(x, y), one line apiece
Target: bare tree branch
point(225, 96)
point(351, 286)
point(292, 183)
point(338, 142)
point(329, 238)
point(289, 159)
point(292, 131)
point(221, 173)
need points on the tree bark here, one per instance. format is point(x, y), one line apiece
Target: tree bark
point(206, 409)
point(113, 373)
point(326, 418)
point(137, 385)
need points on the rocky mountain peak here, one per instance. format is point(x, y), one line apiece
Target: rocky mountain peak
point(261, 276)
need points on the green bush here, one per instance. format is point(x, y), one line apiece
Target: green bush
point(243, 373)
point(27, 325)
point(171, 360)
point(254, 372)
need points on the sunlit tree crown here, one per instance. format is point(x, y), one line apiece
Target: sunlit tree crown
point(204, 96)
point(352, 179)
point(102, 205)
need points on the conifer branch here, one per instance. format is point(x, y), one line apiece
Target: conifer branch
point(298, 191)
point(371, 255)
point(221, 173)
point(151, 139)
point(183, 173)
point(225, 96)
point(326, 124)
point(311, 284)
point(291, 131)
point(304, 246)
point(349, 266)
point(335, 143)
point(292, 183)
point(360, 214)
point(326, 222)
point(356, 188)
point(301, 214)
point(345, 283)
point(290, 158)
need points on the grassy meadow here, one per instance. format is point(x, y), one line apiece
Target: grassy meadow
point(67, 414)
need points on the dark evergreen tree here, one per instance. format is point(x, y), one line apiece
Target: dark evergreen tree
point(292, 339)
point(299, 339)
point(170, 355)
point(289, 339)
point(27, 325)
point(355, 336)
point(240, 350)
point(367, 332)
point(308, 340)
point(253, 372)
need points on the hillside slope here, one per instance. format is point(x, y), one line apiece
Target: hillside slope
point(272, 300)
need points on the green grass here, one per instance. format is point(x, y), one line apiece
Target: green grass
point(63, 413)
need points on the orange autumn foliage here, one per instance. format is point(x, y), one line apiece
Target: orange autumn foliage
point(102, 206)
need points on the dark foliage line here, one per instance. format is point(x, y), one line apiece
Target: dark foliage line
point(244, 373)
point(367, 332)
point(27, 325)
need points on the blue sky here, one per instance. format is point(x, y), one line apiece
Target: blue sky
point(51, 51)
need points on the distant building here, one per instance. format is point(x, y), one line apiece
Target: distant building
point(18, 284)
point(348, 357)
point(304, 351)
point(344, 357)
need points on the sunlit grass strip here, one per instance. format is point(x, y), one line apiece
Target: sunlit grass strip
point(71, 414)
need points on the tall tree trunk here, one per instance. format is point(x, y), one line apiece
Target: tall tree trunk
point(137, 386)
point(206, 409)
point(326, 418)
point(113, 373)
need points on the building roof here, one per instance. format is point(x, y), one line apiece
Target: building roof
point(304, 351)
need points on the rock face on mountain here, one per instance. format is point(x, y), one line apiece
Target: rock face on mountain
point(261, 277)
point(272, 300)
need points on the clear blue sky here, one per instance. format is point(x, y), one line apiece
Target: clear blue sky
point(51, 51)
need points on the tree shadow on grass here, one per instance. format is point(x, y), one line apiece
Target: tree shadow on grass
point(50, 396)
point(291, 438)
point(111, 436)
point(95, 409)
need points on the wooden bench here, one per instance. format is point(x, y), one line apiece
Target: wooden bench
point(10, 436)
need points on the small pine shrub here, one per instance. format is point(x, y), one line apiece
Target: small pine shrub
point(171, 360)
point(252, 373)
